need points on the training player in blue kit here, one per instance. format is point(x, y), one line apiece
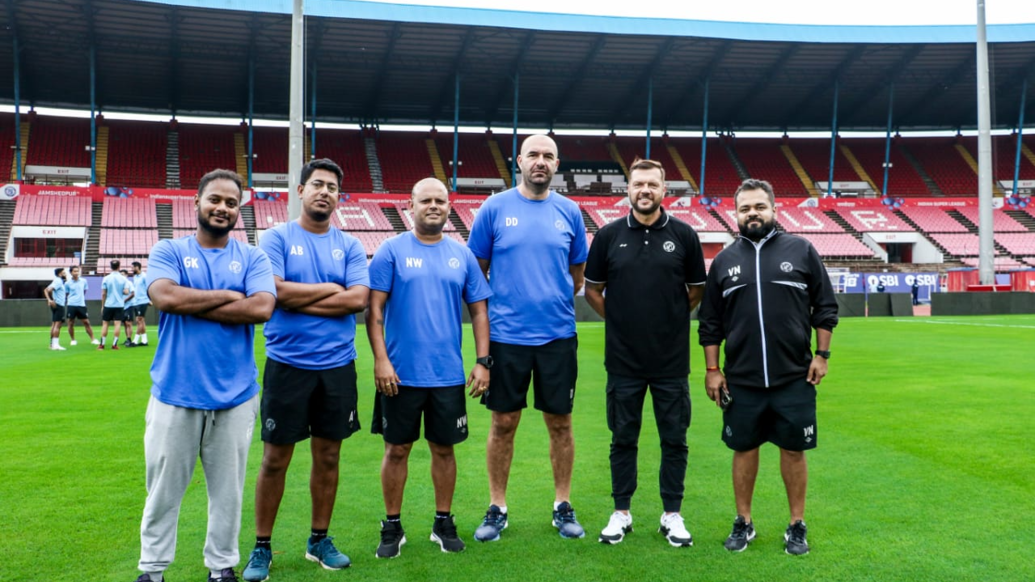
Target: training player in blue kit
point(534, 240)
point(57, 296)
point(139, 306)
point(211, 290)
point(77, 287)
point(419, 281)
point(309, 384)
point(115, 291)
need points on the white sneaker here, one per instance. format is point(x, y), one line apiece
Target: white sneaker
point(674, 531)
point(96, 342)
point(619, 525)
point(57, 348)
point(73, 343)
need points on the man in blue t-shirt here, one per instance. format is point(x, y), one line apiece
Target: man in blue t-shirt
point(57, 296)
point(76, 309)
point(210, 291)
point(115, 291)
point(535, 242)
point(139, 307)
point(309, 384)
point(419, 282)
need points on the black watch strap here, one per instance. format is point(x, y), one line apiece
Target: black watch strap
point(825, 354)
point(485, 361)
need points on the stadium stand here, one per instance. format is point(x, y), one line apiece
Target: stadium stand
point(270, 146)
point(764, 160)
point(345, 148)
point(59, 141)
point(871, 220)
point(1017, 243)
point(1001, 221)
point(903, 180)
point(353, 215)
point(466, 213)
point(698, 218)
point(636, 147)
point(136, 154)
point(204, 148)
point(473, 152)
point(6, 146)
point(956, 243)
point(721, 178)
point(372, 239)
point(577, 148)
point(1004, 154)
point(122, 243)
point(129, 213)
point(814, 155)
point(601, 215)
point(52, 211)
point(933, 220)
point(404, 159)
point(944, 163)
point(39, 262)
point(268, 213)
point(839, 246)
point(806, 220)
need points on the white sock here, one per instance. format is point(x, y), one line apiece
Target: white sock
point(53, 341)
point(155, 576)
point(503, 509)
point(136, 337)
point(557, 504)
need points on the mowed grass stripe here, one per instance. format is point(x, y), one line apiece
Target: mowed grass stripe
point(924, 472)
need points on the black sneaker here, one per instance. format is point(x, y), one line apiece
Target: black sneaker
point(392, 539)
point(147, 578)
point(796, 544)
point(444, 532)
point(741, 535)
point(225, 575)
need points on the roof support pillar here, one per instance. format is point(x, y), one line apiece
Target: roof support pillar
point(513, 141)
point(833, 138)
point(456, 129)
point(312, 115)
point(93, 114)
point(704, 134)
point(251, 119)
point(650, 110)
point(986, 249)
point(1020, 133)
point(296, 133)
point(887, 140)
point(17, 109)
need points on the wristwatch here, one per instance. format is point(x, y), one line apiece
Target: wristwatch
point(485, 361)
point(825, 354)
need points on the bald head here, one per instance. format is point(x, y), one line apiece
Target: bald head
point(539, 141)
point(538, 162)
point(428, 185)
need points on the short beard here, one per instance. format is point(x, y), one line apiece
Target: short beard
point(757, 233)
point(654, 207)
point(216, 231)
point(318, 216)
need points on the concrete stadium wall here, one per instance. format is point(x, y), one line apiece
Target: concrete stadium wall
point(982, 303)
point(35, 312)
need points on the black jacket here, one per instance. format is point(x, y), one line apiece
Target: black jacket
point(764, 299)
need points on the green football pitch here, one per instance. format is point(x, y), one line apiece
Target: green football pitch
point(925, 471)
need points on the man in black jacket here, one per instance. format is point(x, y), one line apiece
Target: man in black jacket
point(764, 295)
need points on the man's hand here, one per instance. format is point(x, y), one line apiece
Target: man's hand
point(479, 380)
point(714, 382)
point(385, 379)
point(817, 370)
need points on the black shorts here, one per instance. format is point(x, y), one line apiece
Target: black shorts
point(77, 312)
point(299, 403)
point(397, 418)
point(57, 314)
point(784, 416)
point(140, 310)
point(111, 314)
point(129, 313)
point(552, 368)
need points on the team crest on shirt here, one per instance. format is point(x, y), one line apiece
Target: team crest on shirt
point(271, 424)
point(235, 267)
point(338, 254)
point(454, 263)
point(669, 246)
point(786, 267)
point(559, 225)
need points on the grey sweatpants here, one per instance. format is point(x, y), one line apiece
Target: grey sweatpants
point(174, 439)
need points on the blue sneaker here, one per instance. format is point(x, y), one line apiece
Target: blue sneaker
point(565, 522)
point(258, 568)
point(495, 521)
point(324, 553)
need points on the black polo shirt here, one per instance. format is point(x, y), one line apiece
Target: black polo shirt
point(647, 312)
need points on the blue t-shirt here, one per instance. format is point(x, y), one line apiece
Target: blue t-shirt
point(531, 244)
point(115, 284)
point(307, 341)
point(201, 363)
point(59, 291)
point(77, 292)
point(427, 286)
point(139, 290)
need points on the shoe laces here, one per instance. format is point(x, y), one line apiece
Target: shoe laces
point(797, 532)
point(446, 527)
point(740, 528)
point(391, 532)
point(565, 513)
point(325, 547)
point(494, 516)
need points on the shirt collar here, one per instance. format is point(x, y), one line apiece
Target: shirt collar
point(658, 224)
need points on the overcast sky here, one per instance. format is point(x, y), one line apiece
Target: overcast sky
point(859, 12)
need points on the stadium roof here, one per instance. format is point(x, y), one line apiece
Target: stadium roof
point(384, 63)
